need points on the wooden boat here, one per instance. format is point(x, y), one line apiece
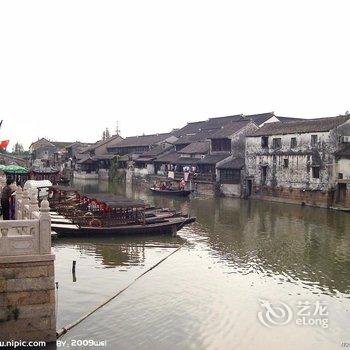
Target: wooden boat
point(63, 181)
point(165, 226)
point(178, 193)
point(100, 214)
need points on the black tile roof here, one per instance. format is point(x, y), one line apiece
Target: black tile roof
point(156, 151)
point(237, 164)
point(200, 131)
point(288, 119)
point(302, 126)
point(101, 143)
point(229, 129)
point(344, 152)
point(216, 123)
point(174, 158)
point(260, 118)
point(60, 144)
point(200, 147)
point(143, 140)
point(169, 157)
point(213, 158)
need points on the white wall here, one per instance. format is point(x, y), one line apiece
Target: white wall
point(342, 166)
point(299, 172)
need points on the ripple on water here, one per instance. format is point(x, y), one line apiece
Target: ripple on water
point(205, 295)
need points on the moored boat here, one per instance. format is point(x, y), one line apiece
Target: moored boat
point(166, 226)
point(63, 181)
point(100, 214)
point(171, 192)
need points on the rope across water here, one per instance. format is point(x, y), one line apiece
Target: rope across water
point(68, 327)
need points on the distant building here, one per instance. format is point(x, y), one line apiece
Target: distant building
point(76, 148)
point(136, 145)
point(48, 153)
point(145, 165)
point(295, 161)
point(101, 147)
point(93, 161)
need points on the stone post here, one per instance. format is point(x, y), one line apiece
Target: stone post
point(25, 201)
point(18, 207)
point(45, 228)
point(33, 203)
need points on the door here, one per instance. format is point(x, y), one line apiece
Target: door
point(263, 175)
point(249, 187)
point(341, 197)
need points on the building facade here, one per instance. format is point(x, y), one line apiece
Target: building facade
point(294, 161)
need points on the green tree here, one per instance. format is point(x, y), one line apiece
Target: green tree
point(18, 148)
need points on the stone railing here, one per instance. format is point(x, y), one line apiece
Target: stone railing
point(30, 233)
point(27, 278)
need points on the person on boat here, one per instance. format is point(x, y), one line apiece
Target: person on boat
point(182, 184)
point(5, 199)
point(163, 186)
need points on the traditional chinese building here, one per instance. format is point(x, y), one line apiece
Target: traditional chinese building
point(48, 153)
point(295, 161)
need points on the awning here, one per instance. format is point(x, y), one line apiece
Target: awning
point(15, 169)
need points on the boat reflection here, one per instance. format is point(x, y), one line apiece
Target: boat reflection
point(119, 251)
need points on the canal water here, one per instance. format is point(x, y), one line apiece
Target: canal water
point(248, 275)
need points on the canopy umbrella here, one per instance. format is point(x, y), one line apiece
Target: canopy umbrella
point(15, 169)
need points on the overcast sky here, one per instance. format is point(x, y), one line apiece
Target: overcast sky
point(68, 69)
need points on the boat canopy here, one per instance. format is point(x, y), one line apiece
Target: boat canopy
point(64, 188)
point(114, 201)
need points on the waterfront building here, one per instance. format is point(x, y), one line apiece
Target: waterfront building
point(145, 165)
point(230, 176)
point(226, 143)
point(136, 145)
point(44, 152)
point(295, 161)
point(101, 147)
point(76, 148)
point(341, 174)
point(202, 130)
point(94, 161)
point(139, 152)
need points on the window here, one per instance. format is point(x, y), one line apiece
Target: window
point(293, 142)
point(277, 142)
point(285, 163)
point(232, 176)
point(265, 142)
point(263, 174)
point(218, 145)
point(340, 176)
point(314, 140)
point(316, 172)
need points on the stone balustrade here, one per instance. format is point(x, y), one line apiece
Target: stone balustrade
point(30, 233)
point(27, 284)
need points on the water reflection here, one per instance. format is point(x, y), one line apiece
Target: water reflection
point(206, 295)
point(299, 244)
point(114, 252)
point(303, 245)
